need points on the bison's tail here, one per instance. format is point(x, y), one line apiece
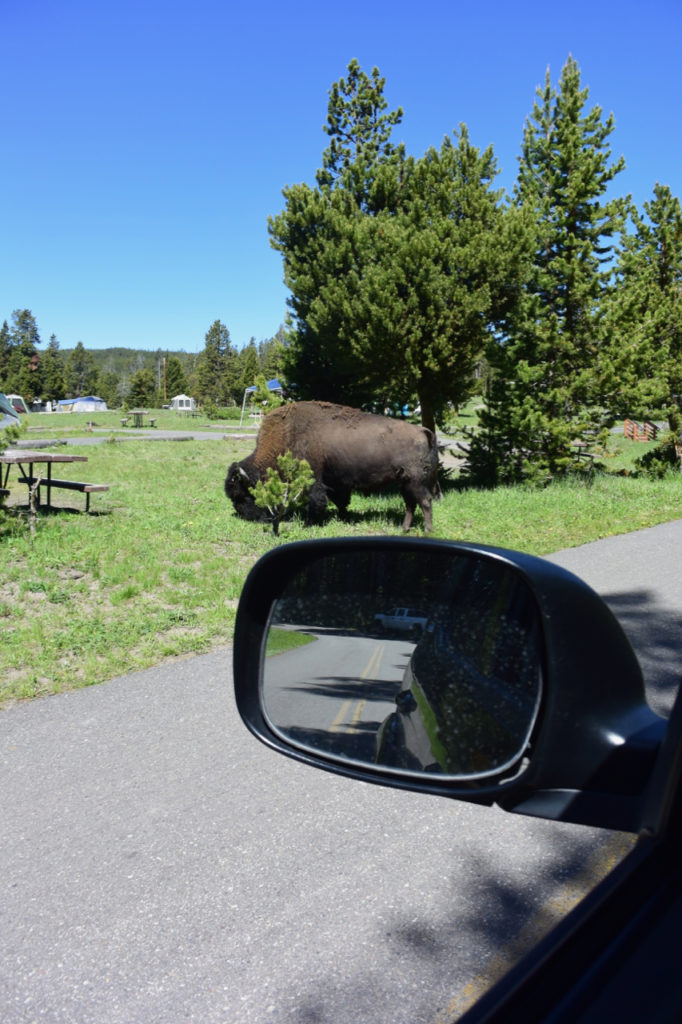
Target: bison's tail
point(431, 436)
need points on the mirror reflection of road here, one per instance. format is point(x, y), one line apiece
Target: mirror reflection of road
point(323, 688)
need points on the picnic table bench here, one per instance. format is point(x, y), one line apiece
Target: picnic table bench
point(83, 486)
point(26, 460)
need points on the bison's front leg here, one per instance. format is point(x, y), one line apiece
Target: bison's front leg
point(341, 497)
point(317, 503)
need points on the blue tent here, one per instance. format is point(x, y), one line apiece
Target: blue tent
point(85, 403)
point(272, 385)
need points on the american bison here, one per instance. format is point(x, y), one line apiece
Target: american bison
point(348, 450)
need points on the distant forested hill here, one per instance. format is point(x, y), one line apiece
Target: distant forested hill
point(124, 361)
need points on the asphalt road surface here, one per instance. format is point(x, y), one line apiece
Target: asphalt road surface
point(334, 693)
point(160, 866)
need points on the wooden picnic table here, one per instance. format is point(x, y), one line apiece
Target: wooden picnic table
point(27, 459)
point(138, 416)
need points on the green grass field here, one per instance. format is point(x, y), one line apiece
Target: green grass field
point(156, 570)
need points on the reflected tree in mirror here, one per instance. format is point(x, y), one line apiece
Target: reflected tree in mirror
point(427, 662)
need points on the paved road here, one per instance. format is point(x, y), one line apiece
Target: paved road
point(159, 866)
point(638, 574)
point(220, 432)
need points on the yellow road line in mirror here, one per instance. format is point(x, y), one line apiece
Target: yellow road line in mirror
point(341, 715)
point(369, 672)
point(373, 663)
point(358, 713)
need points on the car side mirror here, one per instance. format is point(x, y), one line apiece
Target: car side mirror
point(477, 673)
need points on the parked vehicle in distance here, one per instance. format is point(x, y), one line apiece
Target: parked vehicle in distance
point(401, 620)
point(581, 744)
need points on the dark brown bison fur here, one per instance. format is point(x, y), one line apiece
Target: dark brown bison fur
point(348, 450)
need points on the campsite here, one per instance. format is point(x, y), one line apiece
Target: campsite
point(155, 570)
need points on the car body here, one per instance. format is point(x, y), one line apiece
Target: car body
point(582, 746)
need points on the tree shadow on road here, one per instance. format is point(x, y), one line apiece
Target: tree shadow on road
point(655, 633)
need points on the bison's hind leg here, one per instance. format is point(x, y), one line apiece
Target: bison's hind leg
point(409, 516)
point(428, 518)
point(423, 499)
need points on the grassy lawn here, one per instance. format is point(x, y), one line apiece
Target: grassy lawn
point(77, 424)
point(156, 571)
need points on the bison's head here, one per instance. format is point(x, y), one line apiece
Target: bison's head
point(237, 488)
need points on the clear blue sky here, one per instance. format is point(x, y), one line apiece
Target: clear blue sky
point(146, 142)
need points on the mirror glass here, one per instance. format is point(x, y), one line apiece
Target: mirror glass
point(426, 662)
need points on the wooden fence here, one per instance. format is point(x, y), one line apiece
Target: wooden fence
point(645, 431)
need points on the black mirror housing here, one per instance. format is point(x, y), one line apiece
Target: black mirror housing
point(594, 739)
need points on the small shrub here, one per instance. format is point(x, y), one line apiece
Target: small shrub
point(661, 460)
point(230, 412)
point(285, 488)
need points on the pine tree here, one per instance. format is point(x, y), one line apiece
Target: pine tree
point(141, 388)
point(23, 372)
point(211, 365)
point(322, 244)
point(108, 387)
point(442, 269)
point(249, 367)
point(80, 374)
point(5, 350)
point(271, 354)
point(176, 381)
point(52, 367)
point(547, 385)
point(645, 312)
point(398, 268)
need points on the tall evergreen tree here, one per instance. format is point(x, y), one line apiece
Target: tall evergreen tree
point(23, 375)
point(398, 268)
point(141, 388)
point(321, 248)
point(547, 385)
point(52, 367)
point(211, 365)
point(645, 312)
point(5, 351)
point(107, 387)
point(80, 374)
point(443, 269)
point(176, 381)
point(271, 354)
point(249, 367)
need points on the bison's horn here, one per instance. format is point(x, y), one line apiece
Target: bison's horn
point(244, 473)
